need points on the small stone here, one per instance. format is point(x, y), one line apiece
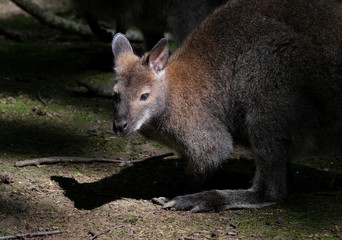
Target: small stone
point(6, 178)
point(216, 233)
point(280, 221)
point(125, 164)
point(41, 112)
point(231, 233)
point(234, 225)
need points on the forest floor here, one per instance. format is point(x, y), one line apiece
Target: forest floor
point(39, 118)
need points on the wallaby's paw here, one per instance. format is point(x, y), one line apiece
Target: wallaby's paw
point(216, 200)
point(198, 202)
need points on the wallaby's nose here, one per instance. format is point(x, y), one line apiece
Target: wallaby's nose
point(121, 125)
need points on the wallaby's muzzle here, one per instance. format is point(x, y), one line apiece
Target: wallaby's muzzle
point(120, 127)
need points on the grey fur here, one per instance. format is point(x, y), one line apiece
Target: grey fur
point(266, 73)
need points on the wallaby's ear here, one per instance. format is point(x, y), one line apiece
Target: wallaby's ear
point(159, 55)
point(120, 44)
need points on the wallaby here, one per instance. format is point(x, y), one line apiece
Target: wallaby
point(180, 17)
point(265, 73)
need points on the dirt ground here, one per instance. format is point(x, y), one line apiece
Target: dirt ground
point(40, 118)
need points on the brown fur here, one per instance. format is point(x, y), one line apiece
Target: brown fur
point(263, 72)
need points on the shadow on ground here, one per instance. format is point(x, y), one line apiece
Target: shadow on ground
point(38, 139)
point(141, 181)
point(162, 178)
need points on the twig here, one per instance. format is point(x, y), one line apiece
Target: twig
point(96, 235)
point(40, 97)
point(52, 160)
point(93, 234)
point(36, 234)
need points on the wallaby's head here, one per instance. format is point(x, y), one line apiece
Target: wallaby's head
point(139, 90)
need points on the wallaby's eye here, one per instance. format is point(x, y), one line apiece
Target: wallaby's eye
point(144, 97)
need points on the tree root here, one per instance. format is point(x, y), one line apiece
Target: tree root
point(48, 18)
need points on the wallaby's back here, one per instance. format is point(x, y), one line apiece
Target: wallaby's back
point(252, 52)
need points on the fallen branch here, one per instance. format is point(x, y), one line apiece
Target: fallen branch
point(53, 160)
point(89, 87)
point(51, 19)
point(36, 234)
point(97, 89)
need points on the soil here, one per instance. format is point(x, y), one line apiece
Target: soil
point(39, 118)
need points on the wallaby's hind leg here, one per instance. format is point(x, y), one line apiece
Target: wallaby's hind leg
point(269, 184)
point(269, 187)
point(270, 180)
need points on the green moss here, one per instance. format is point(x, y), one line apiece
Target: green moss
point(158, 145)
point(175, 234)
point(85, 116)
point(3, 231)
point(4, 106)
point(21, 107)
point(120, 234)
point(128, 218)
point(50, 209)
point(106, 79)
